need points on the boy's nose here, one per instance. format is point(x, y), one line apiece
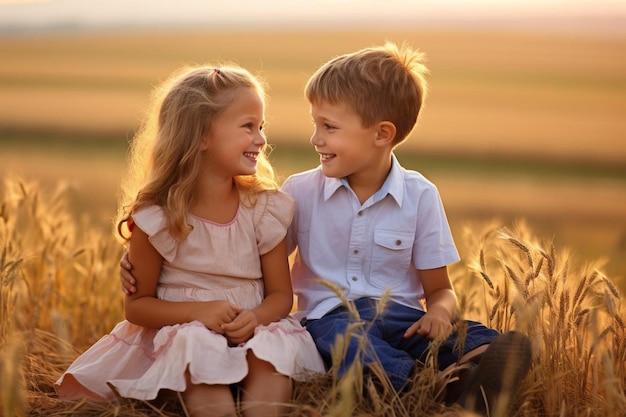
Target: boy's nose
point(315, 139)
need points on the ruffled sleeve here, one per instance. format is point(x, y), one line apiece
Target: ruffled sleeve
point(273, 214)
point(152, 221)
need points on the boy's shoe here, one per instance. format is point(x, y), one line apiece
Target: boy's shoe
point(493, 384)
point(451, 382)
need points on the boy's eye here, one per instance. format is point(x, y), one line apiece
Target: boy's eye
point(325, 126)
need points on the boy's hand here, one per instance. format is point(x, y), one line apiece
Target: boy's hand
point(126, 277)
point(241, 329)
point(431, 325)
point(436, 323)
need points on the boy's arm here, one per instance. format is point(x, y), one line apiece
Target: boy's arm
point(441, 305)
point(126, 276)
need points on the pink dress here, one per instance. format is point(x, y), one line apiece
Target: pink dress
point(216, 262)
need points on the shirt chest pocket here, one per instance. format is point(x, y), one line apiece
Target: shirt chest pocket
point(391, 257)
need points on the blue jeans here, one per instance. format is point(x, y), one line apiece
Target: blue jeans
point(382, 339)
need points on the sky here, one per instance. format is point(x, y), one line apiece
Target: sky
point(24, 15)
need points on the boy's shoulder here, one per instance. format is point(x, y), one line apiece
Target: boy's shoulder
point(417, 177)
point(412, 178)
point(308, 177)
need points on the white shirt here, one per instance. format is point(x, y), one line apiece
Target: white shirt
point(364, 250)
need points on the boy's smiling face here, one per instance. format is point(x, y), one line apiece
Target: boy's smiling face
point(346, 148)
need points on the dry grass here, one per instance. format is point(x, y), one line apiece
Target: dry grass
point(59, 294)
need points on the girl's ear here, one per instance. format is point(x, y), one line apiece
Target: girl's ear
point(205, 143)
point(386, 133)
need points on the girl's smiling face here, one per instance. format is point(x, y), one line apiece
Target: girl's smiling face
point(236, 137)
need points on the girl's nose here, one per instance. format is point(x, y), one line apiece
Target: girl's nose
point(260, 139)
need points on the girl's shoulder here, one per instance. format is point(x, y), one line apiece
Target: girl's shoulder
point(150, 219)
point(272, 215)
point(273, 203)
point(272, 207)
point(277, 197)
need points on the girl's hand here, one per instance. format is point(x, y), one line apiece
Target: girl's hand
point(214, 314)
point(241, 329)
point(431, 326)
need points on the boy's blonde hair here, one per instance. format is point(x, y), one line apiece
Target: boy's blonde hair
point(165, 157)
point(382, 83)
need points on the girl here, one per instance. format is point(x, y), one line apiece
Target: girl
point(207, 245)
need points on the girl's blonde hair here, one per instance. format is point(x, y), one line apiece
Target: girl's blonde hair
point(378, 83)
point(164, 157)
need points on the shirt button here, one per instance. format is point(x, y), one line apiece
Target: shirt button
point(360, 213)
point(398, 242)
point(355, 251)
point(355, 279)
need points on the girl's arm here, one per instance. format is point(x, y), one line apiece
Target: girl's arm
point(278, 299)
point(145, 309)
point(277, 281)
point(441, 305)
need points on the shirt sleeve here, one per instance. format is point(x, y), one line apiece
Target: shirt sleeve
point(434, 246)
point(152, 221)
point(291, 231)
point(273, 214)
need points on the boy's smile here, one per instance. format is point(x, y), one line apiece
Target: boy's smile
point(345, 147)
point(326, 157)
point(349, 150)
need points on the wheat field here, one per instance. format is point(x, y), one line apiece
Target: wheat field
point(59, 294)
point(523, 134)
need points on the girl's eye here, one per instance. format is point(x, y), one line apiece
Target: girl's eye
point(251, 126)
point(328, 127)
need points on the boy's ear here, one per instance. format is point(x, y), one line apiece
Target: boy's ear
point(386, 133)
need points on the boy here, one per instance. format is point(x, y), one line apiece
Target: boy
point(366, 229)
point(366, 225)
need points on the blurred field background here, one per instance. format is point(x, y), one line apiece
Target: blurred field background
point(518, 125)
point(524, 127)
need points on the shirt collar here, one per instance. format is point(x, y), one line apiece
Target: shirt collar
point(393, 185)
point(333, 184)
